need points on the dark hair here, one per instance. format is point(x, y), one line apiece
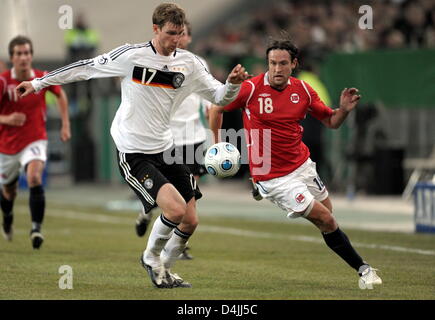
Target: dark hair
point(169, 12)
point(188, 27)
point(18, 41)
point(283, 44)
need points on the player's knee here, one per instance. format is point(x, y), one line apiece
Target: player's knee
point(34, 180)
point(176, 211)
point(10, 193)
point(329, 223)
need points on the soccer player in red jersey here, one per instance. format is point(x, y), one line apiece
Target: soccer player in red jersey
point(23, 137)
point(273, 104)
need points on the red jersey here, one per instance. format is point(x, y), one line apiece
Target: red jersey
point(14, 138)
point(271, 118)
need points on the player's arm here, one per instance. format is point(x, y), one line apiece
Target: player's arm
point(332, 118)
point(12, 119)
point(62, 103)
point(215, 119)
point(16, 119)
point(112, 64)
point(216, 112)
point(348, 100)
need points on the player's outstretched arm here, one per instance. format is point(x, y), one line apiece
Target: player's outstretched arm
point(348, 100)
point(102, 66)
point(62, 103)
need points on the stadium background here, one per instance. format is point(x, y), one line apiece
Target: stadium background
point(366, 164)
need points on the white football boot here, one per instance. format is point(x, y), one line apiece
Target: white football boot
point(368, 278)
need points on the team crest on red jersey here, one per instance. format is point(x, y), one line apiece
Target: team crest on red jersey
point(294, 98)
point(300, 198)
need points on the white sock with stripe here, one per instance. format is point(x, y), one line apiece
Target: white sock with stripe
point(174, 247)
point(160, 234)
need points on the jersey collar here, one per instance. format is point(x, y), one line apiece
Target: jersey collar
point(14, 74)
point(155, 51)
point(266, 79)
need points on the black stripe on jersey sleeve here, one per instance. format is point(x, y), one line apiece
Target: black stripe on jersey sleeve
point(113, 57)
point(114, 52)
point(201, 63)
point(68, 67)
point(77, 63)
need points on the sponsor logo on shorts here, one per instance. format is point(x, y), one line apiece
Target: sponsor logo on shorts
point(294, 98)
point(148, 183)
point(300, 198)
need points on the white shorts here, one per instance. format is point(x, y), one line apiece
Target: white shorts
point(10, 165)
point(295, 192)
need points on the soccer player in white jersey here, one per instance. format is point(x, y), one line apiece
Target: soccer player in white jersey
point(273, 105)
point(155, 78)
point(189, 137)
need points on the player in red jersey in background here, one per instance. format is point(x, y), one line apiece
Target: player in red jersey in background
point(273, 104)
point(23, 137)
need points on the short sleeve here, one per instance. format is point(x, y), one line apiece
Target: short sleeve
point(318, 109)
point(55, 89)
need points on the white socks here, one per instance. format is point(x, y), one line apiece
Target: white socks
point(174, 247)
point(165, 243)
point(159, 236)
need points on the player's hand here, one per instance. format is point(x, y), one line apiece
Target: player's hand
point(16, 119)
point(24, 88)
point(349, 99)
point(65, 133)
point(238, 75)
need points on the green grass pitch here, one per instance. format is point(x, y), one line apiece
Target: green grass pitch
point(235, 258)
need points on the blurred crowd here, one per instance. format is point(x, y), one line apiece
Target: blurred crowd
point(320, 27)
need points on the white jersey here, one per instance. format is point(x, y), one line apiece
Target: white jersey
point(186, 124)
point(152, 88)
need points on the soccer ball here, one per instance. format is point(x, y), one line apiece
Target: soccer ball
point(222, 160)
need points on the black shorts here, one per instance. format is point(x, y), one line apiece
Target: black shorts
point(147, 173)
point(193, 157)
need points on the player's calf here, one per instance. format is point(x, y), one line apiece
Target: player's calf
point(142, 222)
point(8, 216)
point(37, 210)
point(7, 226)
